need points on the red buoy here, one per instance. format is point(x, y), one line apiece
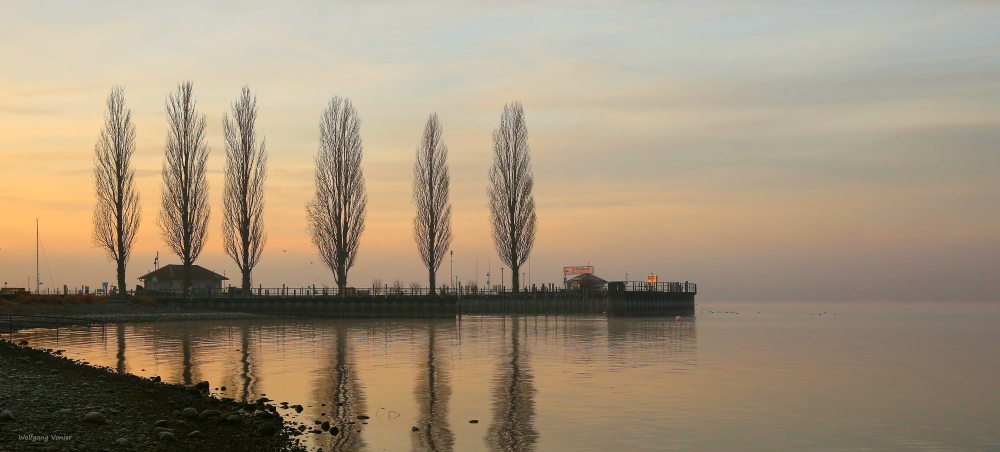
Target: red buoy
point(678, 318)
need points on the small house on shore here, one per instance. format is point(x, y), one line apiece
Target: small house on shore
point(587, 281)
point(171, 277)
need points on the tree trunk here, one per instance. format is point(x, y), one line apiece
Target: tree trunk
point(342, 279)
point(246, 281)
point(187, 278)
point(515, 278)
point(431, 276)
point(122, 289)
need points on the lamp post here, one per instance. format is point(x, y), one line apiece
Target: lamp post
point(451, 254)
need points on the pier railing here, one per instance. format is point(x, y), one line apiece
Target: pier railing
point(643, 286)
point(314, 291)
point(392, 292)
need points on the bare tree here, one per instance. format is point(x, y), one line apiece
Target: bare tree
point(184, 208)
point(337, 213)
point(117, 212)
point(512, 206)
point(432, 224)
point(243, 233)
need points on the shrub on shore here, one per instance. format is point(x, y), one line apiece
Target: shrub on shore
point(146, 301)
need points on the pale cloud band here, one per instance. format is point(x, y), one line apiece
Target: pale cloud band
point(767, 150)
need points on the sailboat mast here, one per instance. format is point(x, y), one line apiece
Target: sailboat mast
point(38, 283)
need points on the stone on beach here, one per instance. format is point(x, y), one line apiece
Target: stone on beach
point(165, 436)
point(6, 416)
point(267, 429)
point(95, 418)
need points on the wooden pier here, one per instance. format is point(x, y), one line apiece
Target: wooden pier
point(620, 299)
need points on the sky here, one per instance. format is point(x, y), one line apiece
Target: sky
point(783, 150)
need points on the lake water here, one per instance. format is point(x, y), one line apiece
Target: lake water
point(738, 376)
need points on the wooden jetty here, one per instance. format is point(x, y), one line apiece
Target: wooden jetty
point(621, 298)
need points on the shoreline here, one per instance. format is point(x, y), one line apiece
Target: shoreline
point(49, 395)
point(61, 404)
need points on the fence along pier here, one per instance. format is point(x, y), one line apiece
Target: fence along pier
point(631, 298)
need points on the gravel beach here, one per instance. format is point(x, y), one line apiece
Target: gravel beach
point(49, 402)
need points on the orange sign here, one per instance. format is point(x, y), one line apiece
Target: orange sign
point(651, 279)
point(578, 270)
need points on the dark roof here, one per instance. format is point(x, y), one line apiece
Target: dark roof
point(586, 278)
point(174, 271)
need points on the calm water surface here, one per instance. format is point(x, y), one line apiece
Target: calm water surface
point(775, 376)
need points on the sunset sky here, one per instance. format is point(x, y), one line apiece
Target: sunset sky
point(765, 150)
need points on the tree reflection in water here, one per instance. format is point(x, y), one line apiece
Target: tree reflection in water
point(240, 377)
point(513, 425)
point(120, 330)
point(186, 352)
point(433, 392)
point(341, 388)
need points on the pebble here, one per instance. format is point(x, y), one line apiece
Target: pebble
point(6, 416)
point(189, 412)
point(165, 436)
point(94, 417)
point(121, 442)
point(194, 434)
point(267, 429)
point(160, 423)
point(64, 411)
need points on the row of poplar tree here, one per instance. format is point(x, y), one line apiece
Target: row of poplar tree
point(336, 214)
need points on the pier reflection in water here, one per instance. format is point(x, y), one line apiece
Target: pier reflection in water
point(433, 374)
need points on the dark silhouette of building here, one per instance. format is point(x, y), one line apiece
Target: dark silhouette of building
point(171, 277)
point(587, 281)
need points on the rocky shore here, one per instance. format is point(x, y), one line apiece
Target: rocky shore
point(48, 402)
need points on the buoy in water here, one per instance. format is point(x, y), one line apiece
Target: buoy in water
point(678, 319)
